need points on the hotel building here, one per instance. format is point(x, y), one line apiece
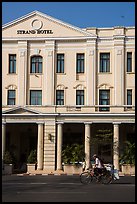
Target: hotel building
point(62, 84)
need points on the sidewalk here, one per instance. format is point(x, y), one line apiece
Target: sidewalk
point(57, 172)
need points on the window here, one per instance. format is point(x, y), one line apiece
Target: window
point(129, 61)
point(60, 63)
point(104, 99)
point(36, 97)
point(60, 97)
point(80, 63)
point(104, 62)
point(11, 97)
point(79, 97)
point(129, 97)
point(36, 64)
point(12, 64)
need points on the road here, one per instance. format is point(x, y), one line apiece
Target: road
point(53, 188)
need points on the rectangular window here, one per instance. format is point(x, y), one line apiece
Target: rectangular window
point(104, 99)
point(79, 97)
point(80, 63)
point(36, 64)
point(36, 97)
point(60, 97)
point(11, 97)
point(129, 61)
point(129, 97)
point(104, 62)
point(60, 63)
point(12, 63)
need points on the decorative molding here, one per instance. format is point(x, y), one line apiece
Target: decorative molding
point(47, 38)
point(119, 37)
point(22, 53)
point(36, 51)
point(36, 24)
point(91, 52)
point(88, 123)
point(79, 87)
point(50, 53)
point(98, 114)
point(11, 87)
point(59, 122)
point(30, 115)
point(116, 123)
point(61, 87)
point(21, 108)
point(105, 86)
point(59, 22)
point(40, 122)
point(119, 52)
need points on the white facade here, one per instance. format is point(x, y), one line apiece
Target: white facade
point(55, 77)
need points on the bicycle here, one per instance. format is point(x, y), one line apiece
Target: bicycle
point(114, 172)
point(107, 176)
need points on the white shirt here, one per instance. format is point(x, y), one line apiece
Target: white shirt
point(98, 163)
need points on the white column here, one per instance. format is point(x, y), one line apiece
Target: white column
point(49, 73)
point(116, 145)
point(59, 145)
point(91, 71)
point(87, 145)
point(3, 138)
point(22, 73)
point(40, 147)
point(119, 73)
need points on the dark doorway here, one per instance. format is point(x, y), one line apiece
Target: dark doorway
point(20, 140)
point(73, 133)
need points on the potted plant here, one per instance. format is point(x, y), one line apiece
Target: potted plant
point(127, 159)
point(7, 163)
point(32, 161)
point(72, 157)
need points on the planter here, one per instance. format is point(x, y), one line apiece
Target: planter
point(31, 168)
point(73, 168)
point(128, 168)
point(8, 169)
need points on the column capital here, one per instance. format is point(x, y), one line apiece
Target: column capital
point(40, 123)
point(88, 123)
point(3, 123)
point(116, 123)
point(60, 123)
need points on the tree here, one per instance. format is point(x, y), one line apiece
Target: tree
point(128, 156)
point(7, 159)
point(73, 154)
point(102, 136)
point(32, 158)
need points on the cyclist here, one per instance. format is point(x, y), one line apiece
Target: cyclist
point(99, 166)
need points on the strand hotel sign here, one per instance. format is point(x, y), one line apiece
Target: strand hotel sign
point(36, 28)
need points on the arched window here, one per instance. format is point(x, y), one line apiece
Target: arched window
point(36, 64)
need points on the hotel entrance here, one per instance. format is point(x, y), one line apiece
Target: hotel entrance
point(73, 133)
point(20, 140)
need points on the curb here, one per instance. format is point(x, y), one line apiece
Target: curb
point(60, 174)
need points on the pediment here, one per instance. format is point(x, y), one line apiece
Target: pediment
point(20, 110)
point(37, 24)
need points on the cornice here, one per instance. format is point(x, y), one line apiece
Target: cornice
point(77, 38)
